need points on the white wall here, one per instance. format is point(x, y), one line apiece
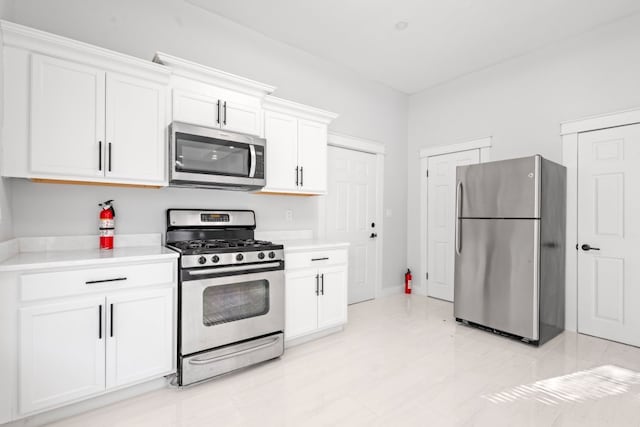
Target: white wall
point(522, 102)
point(142, 27)
point(6, 224)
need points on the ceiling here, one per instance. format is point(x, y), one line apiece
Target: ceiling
point(445, 39)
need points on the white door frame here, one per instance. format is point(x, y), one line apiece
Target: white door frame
point(372, 147)
point(482, 144)
point(569, 132)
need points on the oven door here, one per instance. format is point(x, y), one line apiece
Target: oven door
point(222, 310)
point(204, 155)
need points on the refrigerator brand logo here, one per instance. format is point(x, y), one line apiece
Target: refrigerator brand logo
point(530, 175)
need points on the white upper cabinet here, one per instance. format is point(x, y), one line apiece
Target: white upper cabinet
point(312, 156)
point(282, 155)
point(296, 147)
point(81, 113)
point(135, 129)
point(208, 97)
point(67, 117)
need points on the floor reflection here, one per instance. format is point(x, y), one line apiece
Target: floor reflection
point(592, 384)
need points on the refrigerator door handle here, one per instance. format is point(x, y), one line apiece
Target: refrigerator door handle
point(458, 233)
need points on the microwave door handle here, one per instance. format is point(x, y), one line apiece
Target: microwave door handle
point(252, 161)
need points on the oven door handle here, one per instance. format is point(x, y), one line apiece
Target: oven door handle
point(237, 353)
point(234, 268)
point(252, 161)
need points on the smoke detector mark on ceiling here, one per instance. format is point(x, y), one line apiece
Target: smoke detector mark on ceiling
point(401, 25)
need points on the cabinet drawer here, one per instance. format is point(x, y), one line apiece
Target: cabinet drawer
point(315, 258)
point(77, 282)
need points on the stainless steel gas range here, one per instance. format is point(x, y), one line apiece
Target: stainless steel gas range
point(230, 294)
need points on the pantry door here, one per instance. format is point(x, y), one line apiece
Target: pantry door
point(609, 233)
point(350, 212)
point(441, 197)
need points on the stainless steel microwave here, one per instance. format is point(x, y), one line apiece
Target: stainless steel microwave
point(214, 158)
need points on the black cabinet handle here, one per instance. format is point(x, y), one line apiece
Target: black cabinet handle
point(117, 279)
point(317, 284)
point(373, 235)
point(320, 259)
point(296, 176)
point(301, 176)
point(100, 322)
point(587, 247)
point(218, 110)
point(224, 121)
point(322, 279)
point(111, 320)
point(109, 146)
point(99, 155)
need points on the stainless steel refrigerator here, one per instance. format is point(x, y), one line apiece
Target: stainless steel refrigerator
point(510, 247)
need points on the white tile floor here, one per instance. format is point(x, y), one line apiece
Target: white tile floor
point(402, 361)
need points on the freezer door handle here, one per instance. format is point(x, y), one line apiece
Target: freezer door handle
point(458, 232)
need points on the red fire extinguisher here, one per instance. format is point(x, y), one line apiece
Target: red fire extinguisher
point(407, 282)
point(107, 224)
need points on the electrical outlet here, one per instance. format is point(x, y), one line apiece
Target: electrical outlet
point(288, 215)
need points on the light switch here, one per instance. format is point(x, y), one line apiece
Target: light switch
point(288, 215)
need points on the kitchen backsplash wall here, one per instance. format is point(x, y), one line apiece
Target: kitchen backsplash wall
point(142, 27)
point(73, 209)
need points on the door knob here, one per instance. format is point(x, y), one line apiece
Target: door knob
point(373, 235)
point(587, 247)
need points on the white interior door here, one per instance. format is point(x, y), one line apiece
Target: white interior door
point(609, 219)
point(441, 220)
point(351, 216)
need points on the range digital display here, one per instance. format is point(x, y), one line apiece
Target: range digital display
point(214, 217)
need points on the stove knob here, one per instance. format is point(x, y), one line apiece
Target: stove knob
point(239, 257)
point(272, 254)
point(202, 260)
point(215, 258)
point(261, 255)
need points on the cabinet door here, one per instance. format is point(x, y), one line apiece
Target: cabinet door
point(332, 302)
point(67, 118)
point(62, 350)
point(301, 303)
point(139, 336)
point(281, 132)
point(197, 109)
point(242, 113)
point(312, 156)
point(135, 129)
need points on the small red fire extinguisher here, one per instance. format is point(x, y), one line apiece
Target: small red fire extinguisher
point(407, 282)
point(107, 224)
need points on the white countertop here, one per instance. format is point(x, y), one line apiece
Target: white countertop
point(311, 244)
point(76, 258)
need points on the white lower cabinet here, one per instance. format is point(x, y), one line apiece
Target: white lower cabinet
point(301, 302)
point(139, 338)
point(332, 302)
point(62, 355)
point(97, 340)
point(315, 297)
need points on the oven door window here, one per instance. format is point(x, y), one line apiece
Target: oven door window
point(199, 154)
point(228, 303)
